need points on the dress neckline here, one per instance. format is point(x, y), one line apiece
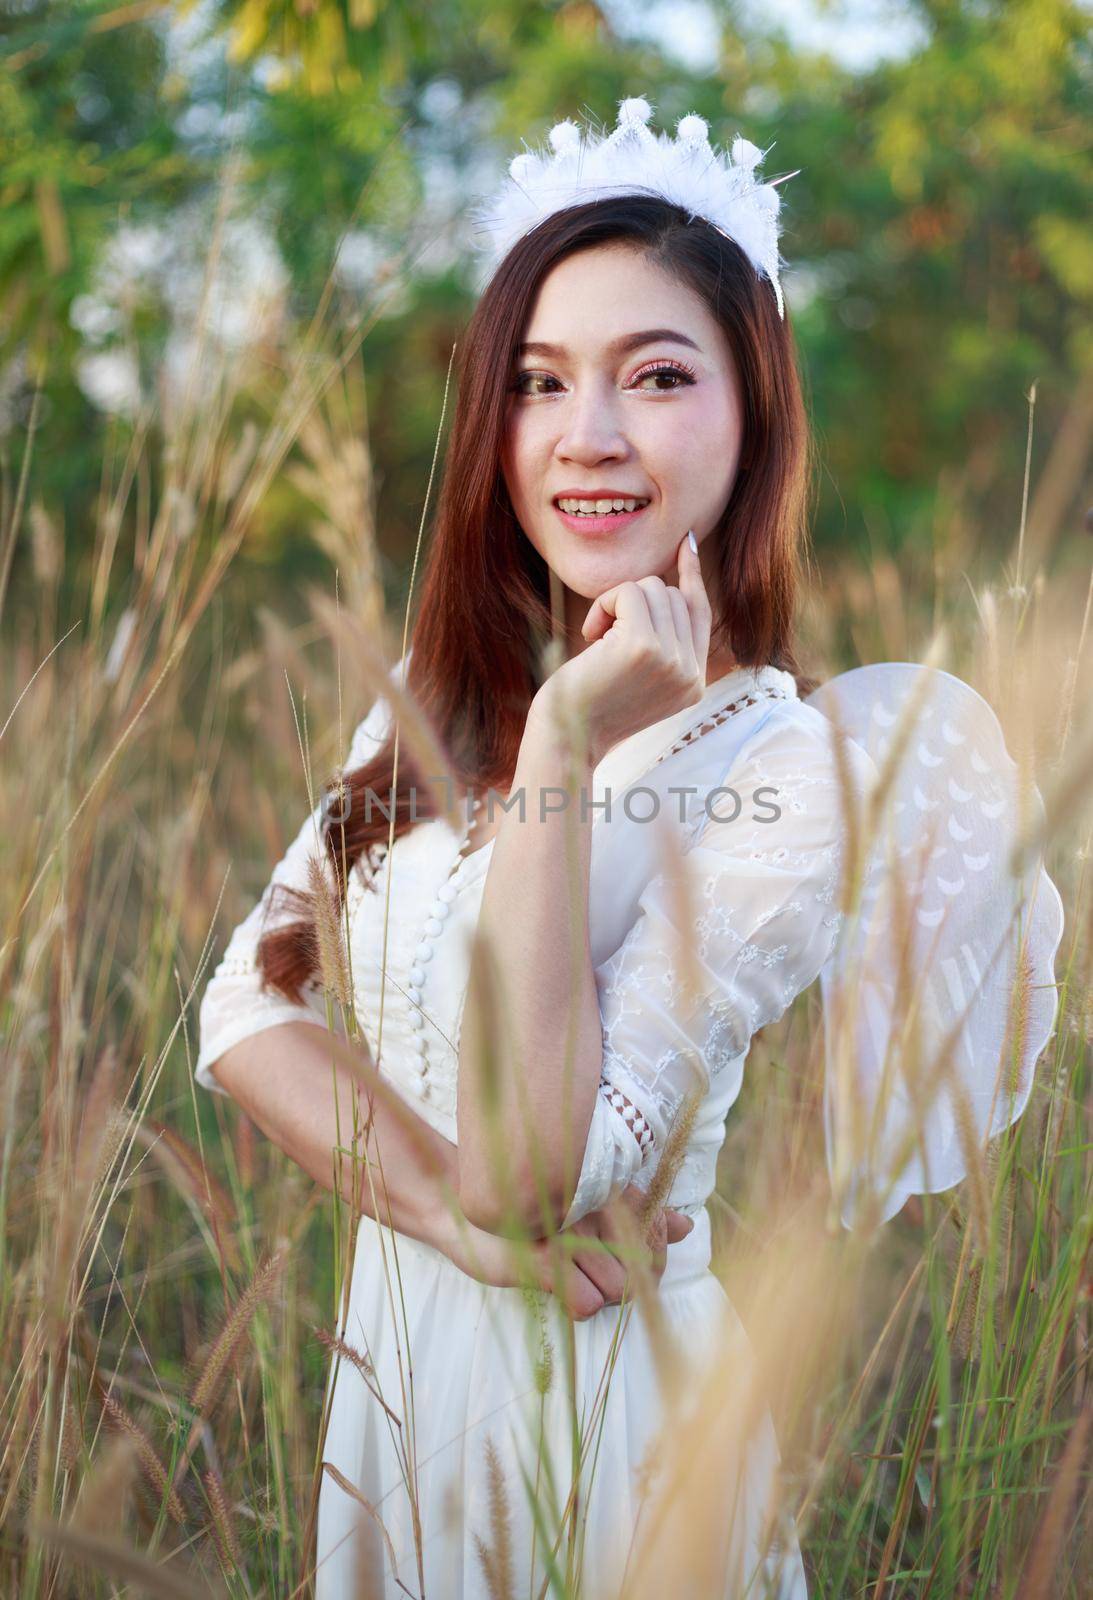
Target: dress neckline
point(641, 750)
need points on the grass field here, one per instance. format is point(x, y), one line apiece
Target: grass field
point(170, 1280)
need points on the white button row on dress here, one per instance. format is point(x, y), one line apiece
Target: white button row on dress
point(438, 911)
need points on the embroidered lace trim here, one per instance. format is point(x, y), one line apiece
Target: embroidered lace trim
point(630, 1114)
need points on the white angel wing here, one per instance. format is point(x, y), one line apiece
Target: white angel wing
point(940, 993)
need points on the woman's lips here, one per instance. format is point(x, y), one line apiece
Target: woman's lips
point(608, 522)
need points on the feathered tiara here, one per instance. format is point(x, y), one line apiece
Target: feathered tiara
point(632, 159)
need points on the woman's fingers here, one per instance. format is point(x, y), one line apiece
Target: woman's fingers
point(647, 608)
point(597, 1262)
point(585, 1280)
point(665, 1227)
point(589, 1279)
point(660, 611)
point(580, 1295)
point(487, 1256)
point(542, 1263)
point(693, 589)
point(623, 1244)
point(603, 1269)
point(681, 618)
point(625, 602)
point(679, 1225)
point(546, 1264)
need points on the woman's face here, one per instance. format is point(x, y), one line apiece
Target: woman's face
point(624, 387)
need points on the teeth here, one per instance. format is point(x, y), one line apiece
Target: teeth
point(599, 508)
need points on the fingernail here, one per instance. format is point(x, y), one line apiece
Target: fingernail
point(694, 541)
point(690, 1226)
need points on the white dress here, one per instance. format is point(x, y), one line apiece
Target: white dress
point(762, 921)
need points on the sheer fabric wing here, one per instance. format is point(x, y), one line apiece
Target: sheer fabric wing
point(720, 947)
point(234, 1005)
point(941, 994)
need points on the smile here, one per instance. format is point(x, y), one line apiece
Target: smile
point(599, 516)
point(600, 508)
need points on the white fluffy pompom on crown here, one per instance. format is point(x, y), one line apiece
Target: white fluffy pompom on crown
point(633, 160)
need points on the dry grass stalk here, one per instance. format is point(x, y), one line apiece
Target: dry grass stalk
point(967, 1332)
point(223, 1528)
point(642, 1288)
point(671, 1158)
point(71, 1440)
point(1042, 1572)
point(95, 1144)
point(185, 1167)
point(496, 1557)
point(105, 1555)
point(339, 1346)
point(332, 1342)
point(104, 1491)
point(708, 1457)
point(488, 1042)
point(354, 1493)
point(329, 944)
point(230, 1339)
point(147, 1456)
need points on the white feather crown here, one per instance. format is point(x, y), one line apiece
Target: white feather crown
point(632, 159)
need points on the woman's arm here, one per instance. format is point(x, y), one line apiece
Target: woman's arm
point(284, 1080)
point(529, 1067)
point(529, 1077)
point(275, 1057)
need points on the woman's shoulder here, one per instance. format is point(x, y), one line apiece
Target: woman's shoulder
point(792, 734)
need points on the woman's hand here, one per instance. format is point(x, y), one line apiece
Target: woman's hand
point(646, 659)
point(584, 1280)
point(624, 1242)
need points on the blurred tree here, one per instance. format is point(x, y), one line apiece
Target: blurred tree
point(936, 238)
point(940, 206)
point(87, 138)
point(86, 133)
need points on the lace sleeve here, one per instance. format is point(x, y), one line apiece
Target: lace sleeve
point(235, 1004)
point(720, 947)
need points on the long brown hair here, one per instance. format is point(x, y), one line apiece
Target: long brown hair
point(485, 614)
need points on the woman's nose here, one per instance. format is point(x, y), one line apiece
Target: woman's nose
point(592, 429)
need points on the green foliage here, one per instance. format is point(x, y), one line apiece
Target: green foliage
point(936, 238)
point(85, 137)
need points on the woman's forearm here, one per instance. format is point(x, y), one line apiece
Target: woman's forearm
point(292, 1081)
point(531, 1043)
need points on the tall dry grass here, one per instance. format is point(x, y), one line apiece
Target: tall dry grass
point(170, 1281)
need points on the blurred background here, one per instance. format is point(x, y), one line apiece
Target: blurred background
point(234, 265)
point(937, 237)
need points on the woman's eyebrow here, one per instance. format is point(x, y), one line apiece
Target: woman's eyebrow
point(621, 346)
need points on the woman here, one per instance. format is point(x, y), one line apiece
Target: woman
point(618, 961)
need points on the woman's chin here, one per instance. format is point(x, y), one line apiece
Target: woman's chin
point(596, 573)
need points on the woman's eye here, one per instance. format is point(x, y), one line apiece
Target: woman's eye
point(536, 377)
point(680, 375)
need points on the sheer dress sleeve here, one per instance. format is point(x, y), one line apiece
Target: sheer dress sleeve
point(710, 960)
point(235, 1005)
